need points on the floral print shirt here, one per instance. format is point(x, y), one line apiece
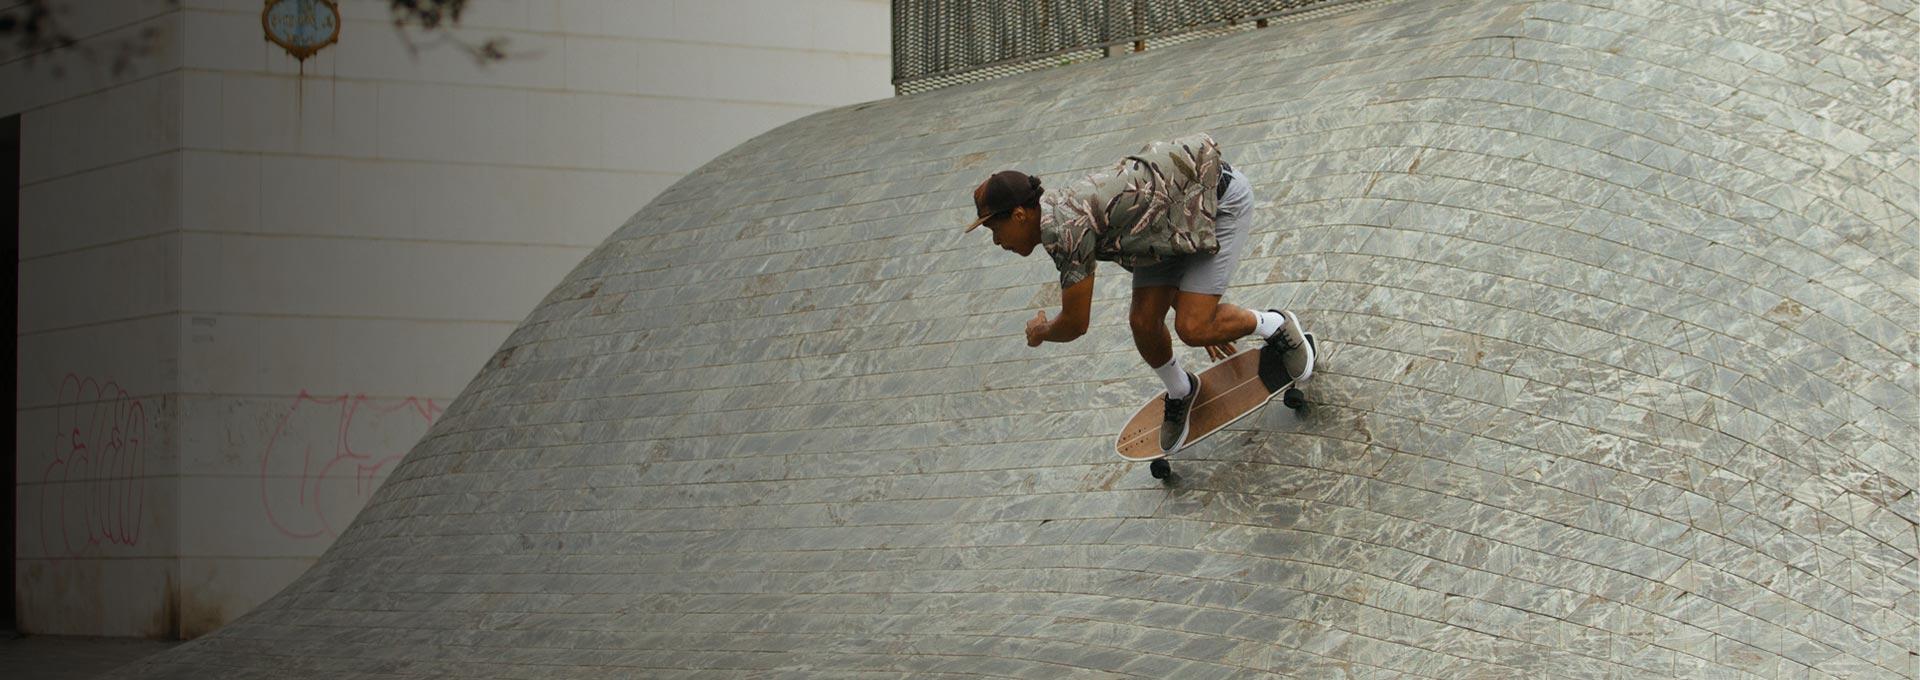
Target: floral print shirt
point(1151, 207)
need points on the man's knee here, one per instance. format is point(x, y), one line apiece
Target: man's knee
point(1193, 329)
point(1143, 320)
point(1148, 313)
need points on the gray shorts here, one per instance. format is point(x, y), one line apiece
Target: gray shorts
point(1209, 274)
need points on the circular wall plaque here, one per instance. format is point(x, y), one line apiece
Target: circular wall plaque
point(301, 27)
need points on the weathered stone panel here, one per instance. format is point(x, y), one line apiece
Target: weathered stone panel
point(1618, 309)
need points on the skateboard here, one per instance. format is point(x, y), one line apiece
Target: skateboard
point(1228, 391)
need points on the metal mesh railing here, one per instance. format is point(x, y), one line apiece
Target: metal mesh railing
point(937, 43)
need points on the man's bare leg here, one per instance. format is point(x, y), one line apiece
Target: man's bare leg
point(1203, 321)
point(1148, 317)
point(1149, 320)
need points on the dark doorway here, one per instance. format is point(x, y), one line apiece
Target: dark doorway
point(10, 369)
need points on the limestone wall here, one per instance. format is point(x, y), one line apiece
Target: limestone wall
point(250, 285)
point(96, 455)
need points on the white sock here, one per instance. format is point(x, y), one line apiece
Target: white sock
point(1268, 324)
point(1176, 379)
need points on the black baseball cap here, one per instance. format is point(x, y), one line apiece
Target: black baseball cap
point(1001, 193)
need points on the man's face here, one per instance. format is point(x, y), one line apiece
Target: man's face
point(1017, 231)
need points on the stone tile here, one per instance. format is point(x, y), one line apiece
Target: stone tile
point(1616, 313)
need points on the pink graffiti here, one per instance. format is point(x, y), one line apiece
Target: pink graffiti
point(94, 491)
point(333, 443)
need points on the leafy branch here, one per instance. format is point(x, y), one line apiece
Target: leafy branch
point(441, 16)
point(35, 29)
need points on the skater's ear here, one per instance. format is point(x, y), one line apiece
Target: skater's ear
point(1027, 216)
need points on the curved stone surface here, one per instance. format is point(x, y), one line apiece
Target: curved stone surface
point(1618, 306)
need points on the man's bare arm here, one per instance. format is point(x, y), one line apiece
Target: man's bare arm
point(1076, 305)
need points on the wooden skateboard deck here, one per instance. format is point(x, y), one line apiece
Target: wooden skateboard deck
point(1229, 391)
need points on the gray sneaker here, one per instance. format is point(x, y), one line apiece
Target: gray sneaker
point(1289, 350)
point(1173, 429)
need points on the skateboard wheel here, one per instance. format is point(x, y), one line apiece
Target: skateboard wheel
point(1295, 399)
point(1159, 468)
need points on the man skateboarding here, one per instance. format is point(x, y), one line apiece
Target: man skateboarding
point(1175, 216)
